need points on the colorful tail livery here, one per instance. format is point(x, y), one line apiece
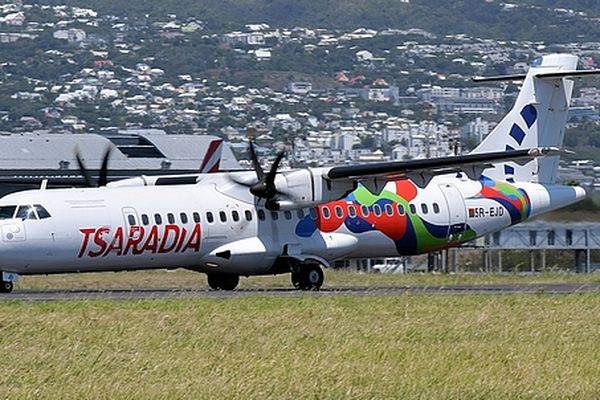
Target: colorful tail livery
point(261, 222)
point(537, 119)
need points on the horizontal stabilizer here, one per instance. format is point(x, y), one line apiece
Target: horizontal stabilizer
point(541, 75)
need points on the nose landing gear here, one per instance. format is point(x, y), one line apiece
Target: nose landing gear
point(7, 282)
point(6, 287)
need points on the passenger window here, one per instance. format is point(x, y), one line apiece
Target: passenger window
point(313, 213)
point(326, 213)
point(41, 211)
point(25, 212)
point(222, 216)
point(287, 214)
point(352, 211)
point(235, 216)
point(424, 208)
point(274, 215)
point(377, 210)
point(400, 209)
point(413, 209)
point(157, 219)
point(261, 215)
point(300, 213)
point(248, 215)
point(183, 217)
point(145, 219)
point(131, 220)
point(209, 217)
point(339, 212)
point(389, 210)
point(364, 210)
point(436, 208)
point(7, 212)
point(171, 218)
point(196, 217)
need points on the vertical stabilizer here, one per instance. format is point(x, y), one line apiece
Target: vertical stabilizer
point(212, 158)
point(537, 119)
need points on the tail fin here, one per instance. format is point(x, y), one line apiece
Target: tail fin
point(212, 158)
point(537, 119)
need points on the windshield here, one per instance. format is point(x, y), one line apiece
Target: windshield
point(7, 212)
point(41, 211)
point(26, 212)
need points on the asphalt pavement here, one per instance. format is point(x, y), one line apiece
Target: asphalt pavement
point(158, 293)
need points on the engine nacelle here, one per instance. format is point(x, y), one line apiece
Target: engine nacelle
point(309, 187)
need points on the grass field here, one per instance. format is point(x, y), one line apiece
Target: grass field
point(182, 279)
point(334, 347)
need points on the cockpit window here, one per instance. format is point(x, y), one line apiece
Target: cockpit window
point(41, 211)
point(7, 212)
point(26, 212)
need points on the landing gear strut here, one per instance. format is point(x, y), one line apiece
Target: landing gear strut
point(307, 277)
point(223, 281)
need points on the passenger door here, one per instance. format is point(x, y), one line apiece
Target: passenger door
point(456, 209)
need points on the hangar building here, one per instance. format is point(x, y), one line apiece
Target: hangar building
point(27, 159)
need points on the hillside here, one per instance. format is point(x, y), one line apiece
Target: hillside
point(529, 20)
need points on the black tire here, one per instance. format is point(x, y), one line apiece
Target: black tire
point(223, 281)
point(311, 277)
point(6, 287)
point(296, 279)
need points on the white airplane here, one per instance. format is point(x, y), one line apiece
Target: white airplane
point(298, 221)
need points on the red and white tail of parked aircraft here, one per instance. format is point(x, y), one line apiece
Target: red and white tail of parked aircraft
point(212, 159)
point(300, 220)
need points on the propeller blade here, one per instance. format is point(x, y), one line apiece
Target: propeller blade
point(87, 177)
point(259, 171)
point(103, 177)
point(266, 188)
point(270, 179)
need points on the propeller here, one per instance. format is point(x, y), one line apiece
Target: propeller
point(264, 187)
point(102, 176)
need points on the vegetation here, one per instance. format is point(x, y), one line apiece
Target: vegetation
point(473, 17)
point(413, 346)
point(584, 140)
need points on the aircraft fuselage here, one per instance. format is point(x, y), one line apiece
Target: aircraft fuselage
point(215, 226)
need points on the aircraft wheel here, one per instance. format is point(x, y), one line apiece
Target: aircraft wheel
point(223, 281)
point(311, 277)
point(6, 287)
point(296, 279)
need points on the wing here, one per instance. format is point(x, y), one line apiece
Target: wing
point(421, 171)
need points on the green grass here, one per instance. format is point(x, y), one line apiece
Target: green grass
point(182, 279)
point(342, 347)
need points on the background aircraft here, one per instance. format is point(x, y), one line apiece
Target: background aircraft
point(267, 222)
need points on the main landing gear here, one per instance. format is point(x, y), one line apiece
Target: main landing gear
point(223, 281)
point(307, 277)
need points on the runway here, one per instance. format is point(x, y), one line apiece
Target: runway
point(158, 293)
